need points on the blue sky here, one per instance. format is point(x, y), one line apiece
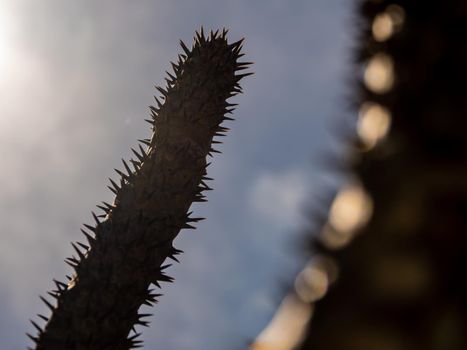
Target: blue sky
point(76, 79)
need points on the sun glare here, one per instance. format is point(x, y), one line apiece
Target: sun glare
point(6, 47)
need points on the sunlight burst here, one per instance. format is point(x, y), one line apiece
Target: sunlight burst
point(6, 42)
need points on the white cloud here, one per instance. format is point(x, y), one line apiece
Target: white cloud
point(279, 197)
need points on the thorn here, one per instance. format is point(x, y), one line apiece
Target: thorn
point(238, 77)
point(139, 156)
point(53, 295)
point(164, 278)
point(90, 228)
point(162, 91)
point(171, 76)
point(153, 295)
point(176, 251)
point(82, 245)
point(240, 64)
point(123, 175)
point(96, 219)
point(236, 44)
point(195, 219)
point(181, 58)
point(142, 151)
point(36, 326)
point(134, 336)
point(145, 141)
point(60, 285)
point(200, 35)
point(114, 184)
point(175, 68)
point(136, 164)
point(205, 187)
point(80, 254)
point(72, 262)
point(128, 170)
point(222, 129)
point(144, 315)
point(163, 267)
point(34, 339)
point(184, 47)
point(104, 209)
point(143, 323)
point(237, 50)
point(88, 237)
point(159, 104)
point(171, 256)
point(46, 302)
point(154, 110)
point(43, 317)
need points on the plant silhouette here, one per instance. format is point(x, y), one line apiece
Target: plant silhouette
point(126, 248)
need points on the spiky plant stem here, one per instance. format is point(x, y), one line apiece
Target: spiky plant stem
point(98, 308)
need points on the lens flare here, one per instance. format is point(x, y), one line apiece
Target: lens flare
point(351, 209)
point(379, 73)
point(373, 124)
point(6, 44)
point(387, 23)
point(383, 27)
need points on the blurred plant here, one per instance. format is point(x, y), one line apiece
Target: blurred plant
point(402, 282)
point(398, 232)
point(98, 307)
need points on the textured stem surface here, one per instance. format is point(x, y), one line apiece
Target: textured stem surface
point(98, 308)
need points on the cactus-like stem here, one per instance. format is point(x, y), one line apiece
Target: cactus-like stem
point(98, 308)
point(402, 280)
